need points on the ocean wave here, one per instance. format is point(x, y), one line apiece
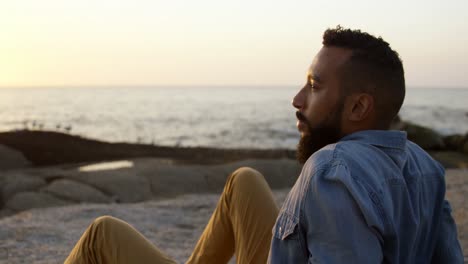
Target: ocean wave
point(229, 118)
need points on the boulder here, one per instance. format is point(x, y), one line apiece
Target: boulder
point(167, 180)
point(27, 200)
point(76, 191)
point(454, 142)
point(18, 182)
point(173, 180)
point(12, 159)
point(457, 143)
point(122, 185)
point(4, 212)
point(426, 138)
point(465, 147)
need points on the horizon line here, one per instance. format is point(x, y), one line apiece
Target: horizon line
point(103, 86)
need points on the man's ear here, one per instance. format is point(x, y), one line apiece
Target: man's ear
point(360, 106)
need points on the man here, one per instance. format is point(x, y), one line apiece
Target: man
point(365, 194)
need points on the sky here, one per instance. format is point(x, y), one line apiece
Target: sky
point(216, 42)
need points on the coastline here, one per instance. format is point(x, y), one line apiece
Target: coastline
point(48, 148)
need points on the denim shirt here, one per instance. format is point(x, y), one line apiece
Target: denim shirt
point(373, 197)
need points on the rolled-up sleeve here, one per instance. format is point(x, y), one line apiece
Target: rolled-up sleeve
point(336, 230)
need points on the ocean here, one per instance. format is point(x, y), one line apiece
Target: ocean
point(222, 117)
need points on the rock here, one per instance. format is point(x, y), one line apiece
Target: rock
point(6, 212)
point(279, 173)
point(457, 143)
point(12, 159)
point(27, 200)
point(174, 180)
point(16, 182)
point(76, 191)
point(426, 138)
point(454, 142)
point(123, 185)
point(451, 159)
point(167, 180)
point(465, 147)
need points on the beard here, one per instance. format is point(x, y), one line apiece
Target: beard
point(315, 138)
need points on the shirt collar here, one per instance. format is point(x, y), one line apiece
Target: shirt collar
point(381, 138)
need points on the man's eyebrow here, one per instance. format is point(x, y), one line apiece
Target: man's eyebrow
point(314, 77)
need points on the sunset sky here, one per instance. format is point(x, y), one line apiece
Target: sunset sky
point(214, 42)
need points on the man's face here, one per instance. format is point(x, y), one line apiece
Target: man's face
point(320, 102)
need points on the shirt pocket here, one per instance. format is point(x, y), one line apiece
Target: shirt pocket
point(286, 226)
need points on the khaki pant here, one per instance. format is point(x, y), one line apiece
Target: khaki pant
point(241, 224)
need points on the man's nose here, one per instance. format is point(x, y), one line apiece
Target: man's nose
point(298, 100)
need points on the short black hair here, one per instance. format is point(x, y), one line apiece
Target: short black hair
point(374, 67)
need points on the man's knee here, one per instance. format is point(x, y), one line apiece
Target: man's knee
point(246, 176)
point(105, 221)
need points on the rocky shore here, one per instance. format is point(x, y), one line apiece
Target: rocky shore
point(431, 140)
point(127, 181)
point(46, 209)
point(52, 185)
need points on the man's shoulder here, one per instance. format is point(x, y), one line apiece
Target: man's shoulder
point(350, 161)
point(340, 153)
point(325, 163)
point(322, 159)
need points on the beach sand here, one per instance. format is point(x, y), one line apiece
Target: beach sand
point(48, 235)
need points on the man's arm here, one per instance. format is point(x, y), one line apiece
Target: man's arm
point(447, 248)
point(336, 229)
